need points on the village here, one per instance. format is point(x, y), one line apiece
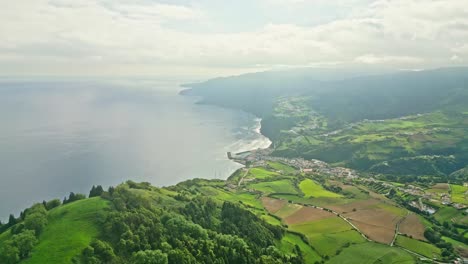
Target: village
point(260, 157)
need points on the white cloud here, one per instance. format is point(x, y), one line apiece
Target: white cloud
point(373, 59)
point(115, 37)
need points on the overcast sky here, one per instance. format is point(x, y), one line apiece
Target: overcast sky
point(206, 38)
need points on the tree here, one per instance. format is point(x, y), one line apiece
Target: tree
point(96, 191)
point(74, 197)
point(9, 254)
point(18, 247)
point(52, 204)
point(11, 220)
point(150, 257)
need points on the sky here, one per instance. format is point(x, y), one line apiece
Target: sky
point(208, 38)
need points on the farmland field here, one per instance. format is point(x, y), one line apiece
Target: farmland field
point(370, 253)
point(376, 220)
point(417, 246)
point(290, 240)
point(288, 210)
point(261, 173)
point(272, 205)
point(451, 214)
point(281, 167)
point(307, 214)
point(460, 247)
point(312, 189)
point(459, 194)
point(412, 226)
point(281, 186)
point(328, 235)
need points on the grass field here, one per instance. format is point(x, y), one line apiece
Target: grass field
point(271, 220)
point(261, 173)
point(290, 240)
point(70, 229)
point(312, 189)
point(458, 194)
point(417, 246)
point(328, 235)
point(460, 247)
point(288, 210)
point(370, 253)
point(451, 214)
point(281, 167)
point(281, 186)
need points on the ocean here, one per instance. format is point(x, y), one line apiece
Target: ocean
point(61, 136)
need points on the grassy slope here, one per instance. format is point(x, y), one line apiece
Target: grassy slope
point(281, 167)
point(458, 194)
point(312, 189)
point(71, 228)
point(290, 240)
point(451, 214)
point(281, 186)
point(367, 253)
point(328, 235)
point(417, 246)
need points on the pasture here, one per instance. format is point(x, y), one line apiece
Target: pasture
point(423, 248)
point(280, 186)
point(313, 189)
point(70, 229)
point(370, 253)
point(459, 194)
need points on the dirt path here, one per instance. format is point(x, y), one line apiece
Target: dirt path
point(242, 178)
point(397, 229)
point(333, 212)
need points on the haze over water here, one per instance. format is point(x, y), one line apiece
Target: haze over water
point(58, 137)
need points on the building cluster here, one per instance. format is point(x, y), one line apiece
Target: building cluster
point(260, 157)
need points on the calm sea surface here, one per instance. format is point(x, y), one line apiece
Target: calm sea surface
point(63, 136)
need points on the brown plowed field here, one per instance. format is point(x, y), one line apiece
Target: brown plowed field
point(272, 205)
point(440, 186)
point(412, 226)
point(377, 224)
point(307, 214)
point(359, 205)
point(377, 233)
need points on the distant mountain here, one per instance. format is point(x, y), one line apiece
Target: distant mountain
point(341, 94)
point(318, 113)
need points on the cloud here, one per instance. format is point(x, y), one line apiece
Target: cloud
point(373, 59)
point(152, 37)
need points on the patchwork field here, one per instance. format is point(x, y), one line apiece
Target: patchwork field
point(261, 173)
point(423, 248)
point(290, 240)
point(459, 194)
point(312, 189)
point(307, 214)
point(439, 188)
point(329, 235)
point(272, 205)
point(459, 247)
point(281, 186)
point(412, 226)
point(281, 167)
point(376, 219)
point(370, 253)
point(451, 214)
point(288, 210)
